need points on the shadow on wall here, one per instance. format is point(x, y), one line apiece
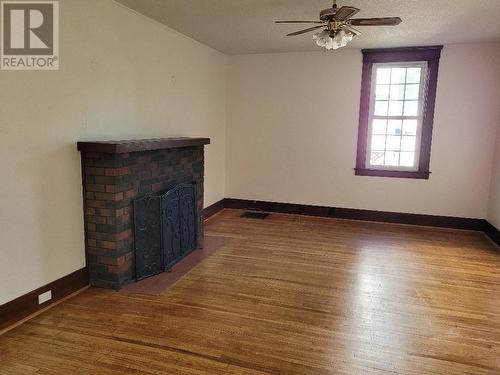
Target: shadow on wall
point(58, 214)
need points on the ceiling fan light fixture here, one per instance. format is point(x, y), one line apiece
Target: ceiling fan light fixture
point(324, 40)
point(337, 26)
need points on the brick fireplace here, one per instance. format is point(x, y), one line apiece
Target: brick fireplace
point(115, 173)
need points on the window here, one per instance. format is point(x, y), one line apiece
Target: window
point(396, 112)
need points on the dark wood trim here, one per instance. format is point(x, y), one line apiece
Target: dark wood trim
point(358, 214)
point(364, 114)
point(118, 147)
point(396, 174)
point(492, 232)
point(20, 308)
point(402, 49)
point(84, 204)
point(401, 54)
point(213, 209)
point(430, 54)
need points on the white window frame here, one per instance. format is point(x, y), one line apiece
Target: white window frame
point(423, 89)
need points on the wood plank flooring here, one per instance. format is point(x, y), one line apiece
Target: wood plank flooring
point(288, 295)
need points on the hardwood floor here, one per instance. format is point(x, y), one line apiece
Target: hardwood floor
point(288, 295)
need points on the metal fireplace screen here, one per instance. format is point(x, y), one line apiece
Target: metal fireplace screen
point(164, 230)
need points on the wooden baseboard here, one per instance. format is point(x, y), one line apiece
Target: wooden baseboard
point(213, 209)
point(357, 214)
point(26, 305)
point(492, 233)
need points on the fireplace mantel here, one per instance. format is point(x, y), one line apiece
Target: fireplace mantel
point(136, 145)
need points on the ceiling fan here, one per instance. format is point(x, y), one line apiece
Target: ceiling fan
point(337, 26)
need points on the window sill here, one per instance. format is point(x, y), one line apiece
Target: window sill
point(389, 173)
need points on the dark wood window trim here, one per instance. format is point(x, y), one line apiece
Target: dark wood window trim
point(431, 55)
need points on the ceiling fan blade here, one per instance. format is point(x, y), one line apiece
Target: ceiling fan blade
point(350, 29)
point(345, 13)
point(387, 21)
point(305, 31)
point(299, 22)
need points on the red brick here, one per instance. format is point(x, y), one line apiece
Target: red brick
point(118, 196)
point(124, 235)
point(124, 219)
point(116, 171)
point(95, 187)
point(107, 260)
point(96, 219)
point(104, 196)
point(130, 194)
point(106, 244)
point(96, 204)
point(104, 180)
point(94, 171)
point(120, 268)
point(106, 212)
point(157, 186)
point(112, 188)
point(101, 236)
point(121, 260)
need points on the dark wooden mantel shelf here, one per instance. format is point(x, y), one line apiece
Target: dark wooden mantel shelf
point(119, 147)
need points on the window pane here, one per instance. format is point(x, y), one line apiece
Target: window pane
point(407, 159)
point(393, 143)
point(398, 75)
point(395, 108)
point(379, 126)
point(411, 108)
point(382, 92)
point(377, 158)
point(394, 127)
point(397, 92)
point(408, 143)
point(378, 142)
point(381, 108)
point(383, 76)
point(392, 158)
point(410, 127)
point(412, 92)
point(395, 124)
point(413, 75)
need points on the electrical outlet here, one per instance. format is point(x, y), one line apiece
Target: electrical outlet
point(44, 297)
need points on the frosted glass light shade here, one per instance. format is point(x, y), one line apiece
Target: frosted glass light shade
point(323, 39)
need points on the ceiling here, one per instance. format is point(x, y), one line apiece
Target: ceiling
point(247, 26)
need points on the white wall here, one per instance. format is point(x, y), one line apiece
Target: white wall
point(292, 123)
point(122, 76)
point(494, 207)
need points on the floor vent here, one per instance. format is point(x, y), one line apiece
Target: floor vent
point(254, 215)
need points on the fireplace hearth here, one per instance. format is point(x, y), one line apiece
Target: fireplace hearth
point(156, 184)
